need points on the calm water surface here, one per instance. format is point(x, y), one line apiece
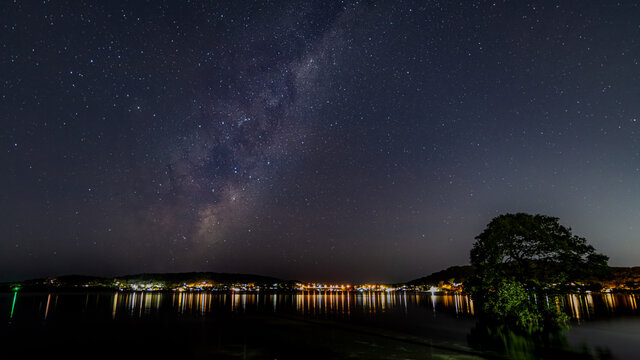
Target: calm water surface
point(252, 325)
point(334, 305)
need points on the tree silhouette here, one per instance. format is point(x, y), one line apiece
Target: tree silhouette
point(521, 259)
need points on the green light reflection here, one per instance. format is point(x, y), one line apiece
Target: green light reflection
point(13, 305)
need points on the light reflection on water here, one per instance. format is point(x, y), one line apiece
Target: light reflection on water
point(314, 304)
point(582, 307)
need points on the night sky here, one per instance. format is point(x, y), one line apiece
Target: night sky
point(355, 141)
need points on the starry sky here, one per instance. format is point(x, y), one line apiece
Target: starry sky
point(315, 140)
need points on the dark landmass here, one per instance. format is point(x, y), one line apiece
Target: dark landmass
point(194, 277)
point(450, 279)
point(450, 276)
point(624, 278)
point(150, 281)
point(454, 277)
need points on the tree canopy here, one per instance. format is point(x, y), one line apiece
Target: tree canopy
point(535, 249)
point(519, 256)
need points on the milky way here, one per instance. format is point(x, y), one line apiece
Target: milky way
point(317, 141)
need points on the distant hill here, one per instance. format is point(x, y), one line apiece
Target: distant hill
point(624, 278)
point(450, 279)
point(620, 278)
point(451, 275)
point(64, 281)
point(175, 279)
point(167, 280)
point(76, 279)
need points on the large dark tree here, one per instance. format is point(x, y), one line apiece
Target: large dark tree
point(519, 257)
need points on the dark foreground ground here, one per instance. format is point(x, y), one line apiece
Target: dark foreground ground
point(250, 336)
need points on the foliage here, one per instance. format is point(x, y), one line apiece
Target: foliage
point(510, 301)
point(521, 259)
point(535, 249)
point(501, 341)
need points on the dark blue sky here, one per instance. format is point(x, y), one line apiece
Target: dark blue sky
point(318, 141)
